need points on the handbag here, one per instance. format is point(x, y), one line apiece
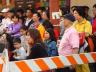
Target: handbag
point(81, 38)
point(82, 41)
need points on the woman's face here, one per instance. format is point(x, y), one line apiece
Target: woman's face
point(44, 16)
point(47, 36)
point(15, 20)
point(23, 32)
point(35, 17)
point(76, 15)
point(28, 13)
point(30, 40)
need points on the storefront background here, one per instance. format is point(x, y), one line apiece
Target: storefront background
point(34, 3)
point(88, 3)
point(45, 3)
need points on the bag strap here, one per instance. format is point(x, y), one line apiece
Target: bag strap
point(91, 44)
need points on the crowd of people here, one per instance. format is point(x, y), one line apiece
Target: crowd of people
point(29, 34)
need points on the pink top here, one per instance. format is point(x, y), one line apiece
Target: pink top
point(69, 41)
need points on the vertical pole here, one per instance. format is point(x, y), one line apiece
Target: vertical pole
point(54, 7)
point(3, 2)
point(7, 2)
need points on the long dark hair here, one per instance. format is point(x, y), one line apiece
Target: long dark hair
point(35, 35)
point(52, 34)
point(39, 49)
point(80, 11)
point(47, 24)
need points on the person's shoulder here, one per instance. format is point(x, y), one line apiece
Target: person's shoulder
point(88, 23)
point(73, 30)
point(3, 19)
point(31, 21)
point(75, 23)
point(53, 42)
point(40, 25)
point(37, 45)
point(22, 37)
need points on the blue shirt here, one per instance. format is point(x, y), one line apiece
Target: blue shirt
point(51, 48)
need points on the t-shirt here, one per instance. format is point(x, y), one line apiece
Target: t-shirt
point(14, 29)
point(69, 41)
point(51, 48)
point(24, 43)
point(20, 54)
point(5, 23)
point(38, 51)
point(84, 26)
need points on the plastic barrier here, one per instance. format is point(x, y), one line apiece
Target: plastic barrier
point(1, 64)
point(43, 64)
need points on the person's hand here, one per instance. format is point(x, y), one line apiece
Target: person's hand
point(73, 67)
point(14, 56)
point(58, 43)
point(5, 30)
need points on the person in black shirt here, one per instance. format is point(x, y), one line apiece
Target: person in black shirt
point(37, 47)
point(29, 19)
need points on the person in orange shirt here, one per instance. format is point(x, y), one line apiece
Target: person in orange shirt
point(37, 25)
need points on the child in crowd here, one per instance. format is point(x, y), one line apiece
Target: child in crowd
point(24, 43)
point(14, 28)
point(19, 52)
point(50, 42)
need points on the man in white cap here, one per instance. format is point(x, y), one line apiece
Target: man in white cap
point(7, 19)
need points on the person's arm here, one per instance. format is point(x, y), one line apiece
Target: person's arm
point(22, 55)
point(53, 48)
point(74, 41)
point(75, 50)
point(61, 29)
point(88, 29)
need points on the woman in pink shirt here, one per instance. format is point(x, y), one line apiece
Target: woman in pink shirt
point(70, 41)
